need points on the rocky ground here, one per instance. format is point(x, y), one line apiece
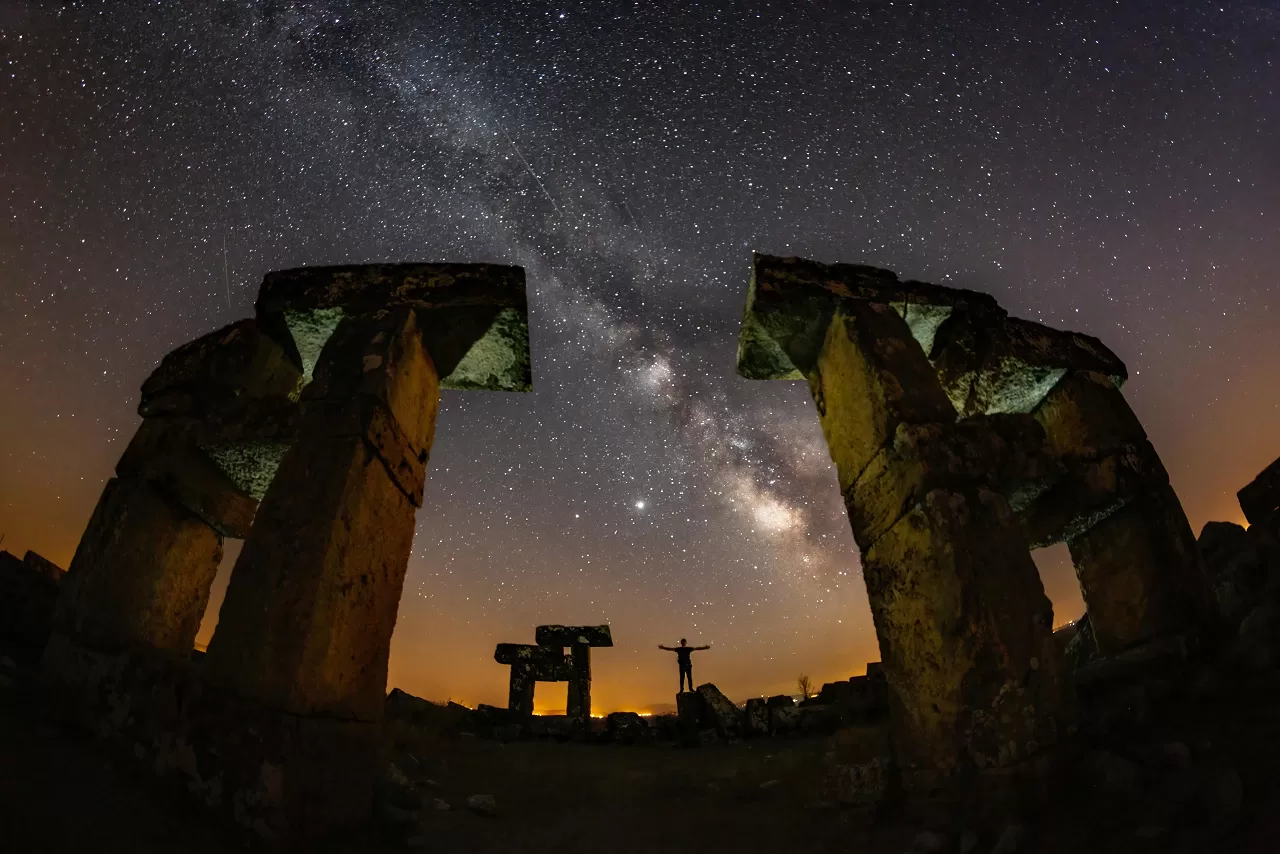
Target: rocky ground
point(1190, 776)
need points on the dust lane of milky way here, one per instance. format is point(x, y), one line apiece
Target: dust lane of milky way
point(1105, 167)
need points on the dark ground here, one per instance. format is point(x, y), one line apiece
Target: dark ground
point(58, 793)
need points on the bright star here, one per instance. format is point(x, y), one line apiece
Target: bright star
point(639, 505)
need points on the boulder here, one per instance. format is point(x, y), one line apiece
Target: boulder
point(1109, 775)
point(719, 711)
point(755, 717)
point(1260, 499)
point(1080, 647)
point(28, 593)
point(627, 728)
point(784, 715)
point(417, 712)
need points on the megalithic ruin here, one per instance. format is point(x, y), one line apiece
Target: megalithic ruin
point(962, 438)
point(546, 661)
point(306, 431)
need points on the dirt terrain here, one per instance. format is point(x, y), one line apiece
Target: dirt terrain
point(59, 793)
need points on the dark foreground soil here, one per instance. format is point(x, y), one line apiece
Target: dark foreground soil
point(58, 793)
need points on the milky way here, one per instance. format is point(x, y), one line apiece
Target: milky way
point(1111, 168)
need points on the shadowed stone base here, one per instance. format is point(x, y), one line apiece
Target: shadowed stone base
point(284, 778)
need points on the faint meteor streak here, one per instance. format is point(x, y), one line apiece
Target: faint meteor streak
point(534, 175)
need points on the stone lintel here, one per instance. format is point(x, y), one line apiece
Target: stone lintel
point(1260, 499)
point(790, 302)
point(474, 317)
point(231, 363)
point(569, 635)
point(993, 364)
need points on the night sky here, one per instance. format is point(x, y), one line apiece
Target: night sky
point(1112, 168)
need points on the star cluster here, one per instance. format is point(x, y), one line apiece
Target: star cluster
point(1105, 167)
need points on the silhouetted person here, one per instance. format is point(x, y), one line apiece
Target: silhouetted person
point(684, 658)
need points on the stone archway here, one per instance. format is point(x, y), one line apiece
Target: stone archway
point(962, 438)
point(306, 431)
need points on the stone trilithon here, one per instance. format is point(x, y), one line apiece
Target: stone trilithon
point(306, 432)
point(962, 439)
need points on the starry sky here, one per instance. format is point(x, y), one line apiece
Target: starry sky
point(1107, 167)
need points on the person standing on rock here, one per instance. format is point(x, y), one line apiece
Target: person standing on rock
point(684, 658)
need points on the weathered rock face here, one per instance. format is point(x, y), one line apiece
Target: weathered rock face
point(1240, 566)
point(755, 717)
point(784, 715)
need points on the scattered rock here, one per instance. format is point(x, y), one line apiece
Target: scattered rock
point(968, 842)
point(484, 805)
point(784, 715)
point(440, 805)
point(770, 784)
point(627, 728)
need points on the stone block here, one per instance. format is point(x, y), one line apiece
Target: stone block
point(1005, 452)
point(755, 717)
point(1238, 568)
point(1090, 490)
point(719, 711)
point(627, 728)
point(141, 574)
point(1141, 574)
point(163, 453)
point(1086, 416)
point(790, 302)
point(474, 316)
point(871, 376)
point(965, 634)
point(234, 362)
point(784, 715)
point(989, 363)
point(43, 567)
point(1260, 499)
point(570, 635)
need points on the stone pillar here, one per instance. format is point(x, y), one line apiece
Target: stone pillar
point(578, 703)
point(307, 622)
point(141, 575)
point(520, 690)
point(960, 613)
point(1135, 555)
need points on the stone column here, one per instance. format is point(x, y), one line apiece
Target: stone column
point(578, 702)
point(1135, 554)
point(307, 622)
point(960, 613)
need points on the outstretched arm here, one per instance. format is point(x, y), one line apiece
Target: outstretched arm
point(667, 648)
point(702, 647)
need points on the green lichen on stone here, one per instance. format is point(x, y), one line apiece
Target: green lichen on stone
point(924, 321)
point(311, 329)
point(499, 360)
point(251, 466)
point(1013, 386)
